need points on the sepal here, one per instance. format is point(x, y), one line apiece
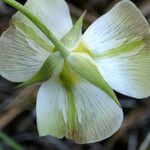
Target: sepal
point(71, 39)
point(86, 68)
point(52, 66)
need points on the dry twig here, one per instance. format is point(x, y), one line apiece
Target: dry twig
point(129, 121)
point(18, 104)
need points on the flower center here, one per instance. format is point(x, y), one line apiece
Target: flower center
point(68, 77)
point(82, 48)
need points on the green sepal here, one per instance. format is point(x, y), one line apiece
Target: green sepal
point(71, 39)
point(51, 66)
point(85, 67)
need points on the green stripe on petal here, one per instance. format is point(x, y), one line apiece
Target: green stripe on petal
point(122, 23)
point(133, 46)
point(51, 67)
point(72, 113)
point(83, 113)
point(85, 67)
point(129, 74)
point(119, 41)
point(30, 33)
point(82, 48)
point(71, 39)
point(98, 116)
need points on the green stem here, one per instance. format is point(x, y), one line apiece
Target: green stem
point(1, 148)
point(64, 52)
point(10, 141)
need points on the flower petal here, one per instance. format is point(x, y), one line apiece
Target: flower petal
point(119, 25)
point(51, 109)
point(20, 58)
point(82, 113)
point(98, 116)
point(53, 13)
point(120, 43)
point(129, 74)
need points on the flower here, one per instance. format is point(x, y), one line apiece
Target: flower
point(77, 71)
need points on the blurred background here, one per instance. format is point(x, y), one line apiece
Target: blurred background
point(17, 106)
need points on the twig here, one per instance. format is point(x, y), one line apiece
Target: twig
point(18, 105)
point(145, 143)
point(145, 7)
point(129, 121)
point(9, 141)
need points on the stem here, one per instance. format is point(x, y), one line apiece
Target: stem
point(10, 141)
point(1, 148)
point(64, 52)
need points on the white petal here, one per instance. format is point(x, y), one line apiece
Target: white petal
point(51, 109)
point(98, 116)
point(129, 75)
point(120, 24)
point(53, 13)
point(82, 113)
point(20, 58)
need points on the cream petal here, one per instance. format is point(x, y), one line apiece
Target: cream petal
point(97, 115)
point(20, 58)
point(82, 113)
point(129, 75)
point(53, 13)
point(51, 109)
point(120, 42)
point(122, 23)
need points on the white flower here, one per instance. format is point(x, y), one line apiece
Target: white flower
point(75, 99)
